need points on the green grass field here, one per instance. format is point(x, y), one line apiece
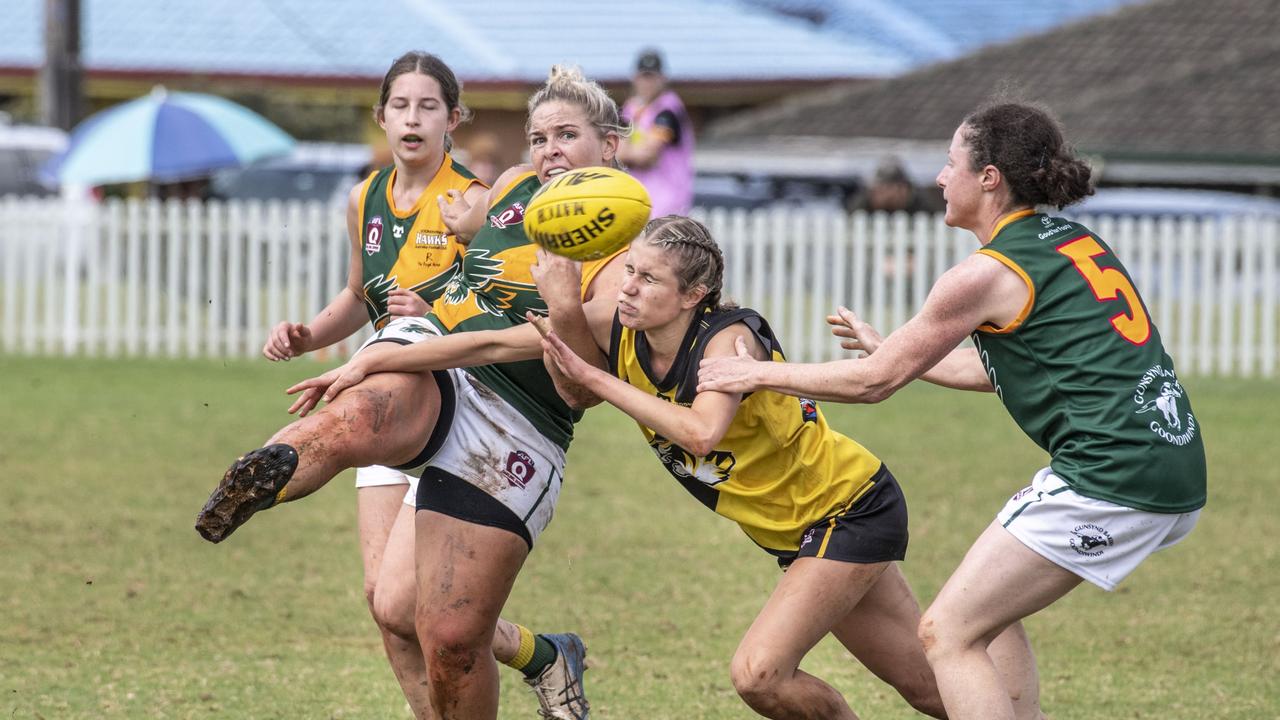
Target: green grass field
point(112, 607)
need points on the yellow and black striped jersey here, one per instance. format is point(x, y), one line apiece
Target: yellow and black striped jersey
point(779, 468)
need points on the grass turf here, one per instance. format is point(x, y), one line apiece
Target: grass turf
point(113, 607)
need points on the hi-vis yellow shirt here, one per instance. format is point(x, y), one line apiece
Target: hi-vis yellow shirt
point(408, 248)
point(779, 468)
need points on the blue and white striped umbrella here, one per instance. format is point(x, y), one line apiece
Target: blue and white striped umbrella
point(165, 137)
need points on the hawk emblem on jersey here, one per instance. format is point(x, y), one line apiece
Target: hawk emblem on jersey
point(710, 470)
point(513, 215)
point(1159, 391)
point(482, 279)
point(373, 235)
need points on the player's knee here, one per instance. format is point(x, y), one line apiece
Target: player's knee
point(939, 637)
point(393, 612)
point(451, 650)
point(757, 678)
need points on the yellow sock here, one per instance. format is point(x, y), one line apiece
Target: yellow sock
point(525, 653)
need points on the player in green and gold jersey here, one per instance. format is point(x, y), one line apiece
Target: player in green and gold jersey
point(1062, 337)
point(489, 441)
point(403, 254)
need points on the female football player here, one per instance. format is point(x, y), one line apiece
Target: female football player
point(1064, 340)
point(489, 441)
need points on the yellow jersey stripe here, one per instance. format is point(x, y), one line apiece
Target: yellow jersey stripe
point(1004, 221)
point(518, 179)
point(1031, 294)
point(831, 526)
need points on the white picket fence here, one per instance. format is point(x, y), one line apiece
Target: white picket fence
point(208, 280)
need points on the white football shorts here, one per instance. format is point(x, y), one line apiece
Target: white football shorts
point(377, 475)
point(1100, 541)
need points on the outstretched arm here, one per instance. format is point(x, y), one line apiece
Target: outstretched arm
point(960, 369)
point(463, 349)
point(697, 428)
point(977, 291)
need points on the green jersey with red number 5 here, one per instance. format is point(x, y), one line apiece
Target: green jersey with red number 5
point(1083, 371)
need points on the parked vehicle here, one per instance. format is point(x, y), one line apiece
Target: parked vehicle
point(23, 150)
point(313, 171)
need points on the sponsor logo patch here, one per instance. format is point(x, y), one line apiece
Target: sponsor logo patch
point(1090, 540)
point(425, 239)
point(397, 231)
point(520, 468)
point(373, 235)
point(808, 409)
point(513, 215)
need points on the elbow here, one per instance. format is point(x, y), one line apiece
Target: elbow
point(699, 443)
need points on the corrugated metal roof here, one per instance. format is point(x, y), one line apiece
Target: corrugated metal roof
point(933, 30)
point(496, 40)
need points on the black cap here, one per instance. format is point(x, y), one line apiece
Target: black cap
point(650, 61)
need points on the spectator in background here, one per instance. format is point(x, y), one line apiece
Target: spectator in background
point(659, 152)
point(890, 190)
point(481, 153)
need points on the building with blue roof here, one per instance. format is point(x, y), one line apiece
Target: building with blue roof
point(314, 65)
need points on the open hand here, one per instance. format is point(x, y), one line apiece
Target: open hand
point(287, 340)
point(325, 387)
point(558, 278)
point(729, 374)
point(452, 210)
point(858, 334)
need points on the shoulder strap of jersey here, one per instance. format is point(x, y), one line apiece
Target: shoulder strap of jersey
point(515, 183)
point(712, 323)
point(364, 197)
point(615, 342)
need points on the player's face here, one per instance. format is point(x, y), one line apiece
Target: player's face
point(416, 118)
point(961, 184)
point(650, 295)
point(562, 138)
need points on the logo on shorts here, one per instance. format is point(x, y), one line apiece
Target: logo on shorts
point(513, 215)
point(519, 469)
point(1090, 540)
point(373, 235)
point(808, 537)
point(1175, 425)
point(1021, 493)
point(808, 410)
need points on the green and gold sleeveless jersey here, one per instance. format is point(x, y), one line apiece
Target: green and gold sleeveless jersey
point(493, 291)
point(779, 467)
point(410, 248)
point(1083, 372)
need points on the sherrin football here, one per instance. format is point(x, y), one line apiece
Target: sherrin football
point(588, 213)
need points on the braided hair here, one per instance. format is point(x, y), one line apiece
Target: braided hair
point(697, 257)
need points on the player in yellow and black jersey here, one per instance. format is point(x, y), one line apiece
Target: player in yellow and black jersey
point(826, 507)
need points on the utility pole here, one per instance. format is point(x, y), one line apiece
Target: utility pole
point(61, 91)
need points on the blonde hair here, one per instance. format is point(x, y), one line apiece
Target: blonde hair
point(566, 83)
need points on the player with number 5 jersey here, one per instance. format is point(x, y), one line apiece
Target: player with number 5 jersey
point(1062, 337)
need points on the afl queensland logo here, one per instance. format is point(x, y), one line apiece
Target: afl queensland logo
point(513, 215)
point(373, 235)
point(1160, 393)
